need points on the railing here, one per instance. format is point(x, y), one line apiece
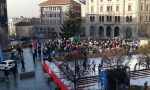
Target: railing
point(54, 77)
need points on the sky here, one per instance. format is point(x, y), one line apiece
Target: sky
point(26, 8)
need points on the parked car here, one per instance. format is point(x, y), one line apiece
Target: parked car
point(7, 64)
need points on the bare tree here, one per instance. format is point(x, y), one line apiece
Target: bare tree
point(144, 58)
point(116, 62)
point(115, 57)
point(74, 67)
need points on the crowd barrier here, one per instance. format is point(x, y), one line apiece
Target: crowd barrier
point(48, 70)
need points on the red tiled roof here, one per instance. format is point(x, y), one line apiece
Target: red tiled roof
point(21, 23)
point(58, 2)
point(28, 23)
point(55, 2)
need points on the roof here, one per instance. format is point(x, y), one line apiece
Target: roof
point(58, 2)
point(55, 2)
point(33, 21)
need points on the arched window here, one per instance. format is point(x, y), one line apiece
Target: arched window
point(92, 18)
point(129, 7)
point(100, 19)
point(118, 18)
point(115, 18)
point(130, 18)
point(127, 19)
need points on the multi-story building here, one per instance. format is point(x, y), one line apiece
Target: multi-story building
point(3, 16)
point(13, 21)
point(117, 18)
point(53, 14)
point(22, 27)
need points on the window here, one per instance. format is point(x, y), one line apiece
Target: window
point(11, 62)
point(92, 9)
point(118, 18)
point(129, 7)
point(117, 8)
point(101, 9)
point(115, 18)
point(3, 63)
point(55, 15)
point(92, 18)
point(107, 8)
point(50, 8)
point(146, 7)
point(50, 15)
point(58, 8)
point(141, 7)
point(110, 17)
point(102, 18)
point(127, 19)
point(130, 18)
point(107, 18)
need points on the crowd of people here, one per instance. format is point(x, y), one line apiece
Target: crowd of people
point(54, 47)
point(68, 47)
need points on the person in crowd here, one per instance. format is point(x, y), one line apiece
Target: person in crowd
point(77, 70)
point(34, 56)
point(14, 71)
point(84, 65)
point(30, 46)
point(6, 73)
point(19, 49)
point(39, 50)
point(23, 65)
point(93, 66)
point(12, 56)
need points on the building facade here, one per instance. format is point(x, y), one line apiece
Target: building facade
point(117, 18)
point(53, 14)
point(23, 29)
point(13, 21)
point(3, 16)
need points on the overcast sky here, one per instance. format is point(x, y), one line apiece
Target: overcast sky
point(27, 8)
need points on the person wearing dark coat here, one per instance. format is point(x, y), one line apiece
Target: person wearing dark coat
point(23, 65)
point(6, 73)
point(39, 50)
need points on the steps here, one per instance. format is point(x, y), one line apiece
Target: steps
point(87, 80)
point(140, 73)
